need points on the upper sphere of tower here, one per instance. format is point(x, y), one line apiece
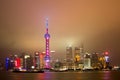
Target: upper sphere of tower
point(47, 35)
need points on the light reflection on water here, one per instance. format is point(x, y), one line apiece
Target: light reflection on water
point(107, 75)
point(95, 75)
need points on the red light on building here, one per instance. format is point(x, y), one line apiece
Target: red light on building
point(106, 53)
point(17, 62)
point(41, 56)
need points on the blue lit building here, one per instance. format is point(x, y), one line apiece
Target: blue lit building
point(7, 63)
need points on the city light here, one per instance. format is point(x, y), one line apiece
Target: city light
point(107, 58)
point(106, 53)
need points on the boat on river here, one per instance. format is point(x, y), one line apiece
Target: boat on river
point(28, 71)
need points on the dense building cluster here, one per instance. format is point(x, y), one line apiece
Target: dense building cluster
point(25, 61)
point(75, 60)
point(78, 59)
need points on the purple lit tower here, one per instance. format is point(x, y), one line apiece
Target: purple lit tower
point(47, 55)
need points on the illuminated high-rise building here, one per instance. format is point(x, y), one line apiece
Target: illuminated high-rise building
point(47, 54)
point(69, 57)
point(95, 60)
point(107, 59)
point(77, 54)
point(7, 63)
point(42, 55)
point(17, 63)
point(37, 60)
point(104, 60)
point(28, 61)
point(81, 53)
point(69, 54)
point(87, 61)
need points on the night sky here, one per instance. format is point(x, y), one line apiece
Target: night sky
point(95, 23)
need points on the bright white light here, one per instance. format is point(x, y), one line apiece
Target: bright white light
point(43, 52)
point(52, 51)
point(47, 60)
point(26, 56)
point(70, 45)
point(32, 67)
point(107, 58)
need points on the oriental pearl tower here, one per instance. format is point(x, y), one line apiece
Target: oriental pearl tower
point(47, 52)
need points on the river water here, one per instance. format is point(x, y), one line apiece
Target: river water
point(90, 75)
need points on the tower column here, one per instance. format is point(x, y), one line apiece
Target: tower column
point(47, 54)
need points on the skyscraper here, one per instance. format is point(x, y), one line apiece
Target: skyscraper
point(69, 54)
point(47, 54)
point(95, 60)
point(69, 57)
point(82, 53)
point(42, 55)
point(87, 61)
point(37, 60)
point(107, 59)
point(77, 54)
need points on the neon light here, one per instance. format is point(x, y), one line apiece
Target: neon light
point(106, 53)
point(7, 62)
point(107, 58)
point(17, 62)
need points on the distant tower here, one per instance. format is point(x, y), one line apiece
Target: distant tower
point(69, 57)
point(47, 54)
point(69, 54)
point(82, 52)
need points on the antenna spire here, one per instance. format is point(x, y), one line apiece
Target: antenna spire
point(46, 22)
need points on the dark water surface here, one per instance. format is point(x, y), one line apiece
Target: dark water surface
point(93, 75)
